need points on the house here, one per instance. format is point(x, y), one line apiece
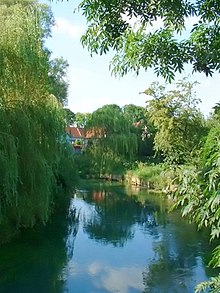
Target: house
point(76, 136)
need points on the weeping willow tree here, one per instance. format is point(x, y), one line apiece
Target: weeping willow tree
point(31, 119)
point(112, 142)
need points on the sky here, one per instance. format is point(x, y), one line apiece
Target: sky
point(91, 84)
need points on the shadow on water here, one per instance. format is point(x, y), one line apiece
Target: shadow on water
point(34, 262)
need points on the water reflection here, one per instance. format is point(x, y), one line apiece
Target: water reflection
point(115, 214)
point(175, 252)
point(123, 279)
point(178, 263)
point(35, 262)
point(109, 239)
point(111, 205)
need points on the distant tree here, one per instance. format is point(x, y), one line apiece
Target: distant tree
point(69, 117)
point(113, 142)
point(136, 114)
point(179, 123)
point(58, 79)
point(81, 119)
point(216, 112)
point(142, 127)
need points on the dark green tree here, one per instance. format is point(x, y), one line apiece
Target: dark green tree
point(136, 114)
point(69, 117)
point(143, 128)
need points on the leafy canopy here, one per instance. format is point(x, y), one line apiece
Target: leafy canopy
point(166, 49)
point(179, 123)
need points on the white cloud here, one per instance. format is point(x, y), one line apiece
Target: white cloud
point(121, 280)
point(94, 268)
point(116, 279)
point(64, 26)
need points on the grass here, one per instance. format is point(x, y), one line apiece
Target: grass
point(153, 176)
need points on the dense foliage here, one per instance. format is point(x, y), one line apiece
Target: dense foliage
point(81, 119)
point(33, 156)
point(180, 126)
point(198, 196)
point(112, 142)
point(166, 49)
point(116, 138)
point(31, 119)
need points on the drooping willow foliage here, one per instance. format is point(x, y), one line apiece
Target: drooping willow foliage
point(31, 119)
point(112, 141)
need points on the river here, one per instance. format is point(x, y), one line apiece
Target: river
point(110, 238)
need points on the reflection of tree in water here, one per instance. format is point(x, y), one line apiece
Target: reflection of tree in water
point(178, 246)
point(167, 273)
point(72, 229)
point(35, 262)
point(150, 218)
point(112, 219)
point(177, 254)
point(116, 215)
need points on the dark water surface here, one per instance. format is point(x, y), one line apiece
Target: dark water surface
point(110, 239)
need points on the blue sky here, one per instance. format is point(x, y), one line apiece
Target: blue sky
point(91, 83)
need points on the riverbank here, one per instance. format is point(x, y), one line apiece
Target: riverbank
point(154, 177)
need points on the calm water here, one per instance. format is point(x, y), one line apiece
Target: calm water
point(110, 239)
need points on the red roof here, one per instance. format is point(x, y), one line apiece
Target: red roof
point(76, 132)
point(95, 132)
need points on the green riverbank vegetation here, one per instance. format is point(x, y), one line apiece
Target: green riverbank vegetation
point(33, 151)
